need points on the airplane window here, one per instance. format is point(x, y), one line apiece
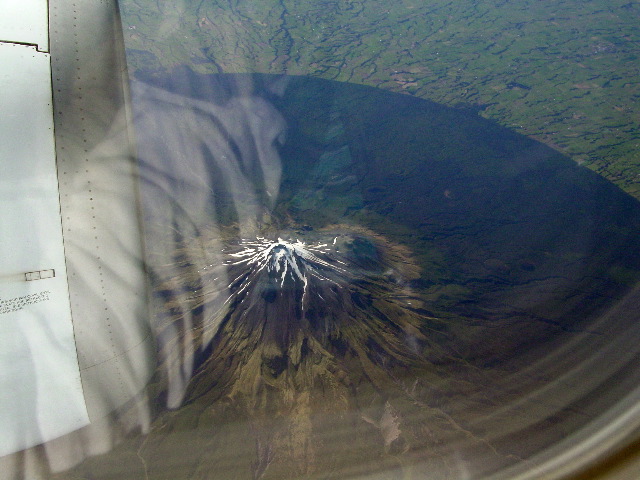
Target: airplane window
point(333, 239)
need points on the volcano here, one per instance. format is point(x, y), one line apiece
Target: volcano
point(291, 286)
point(322, 335)
point(348, 282)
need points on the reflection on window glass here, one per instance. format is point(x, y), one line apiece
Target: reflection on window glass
point(378, 241)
